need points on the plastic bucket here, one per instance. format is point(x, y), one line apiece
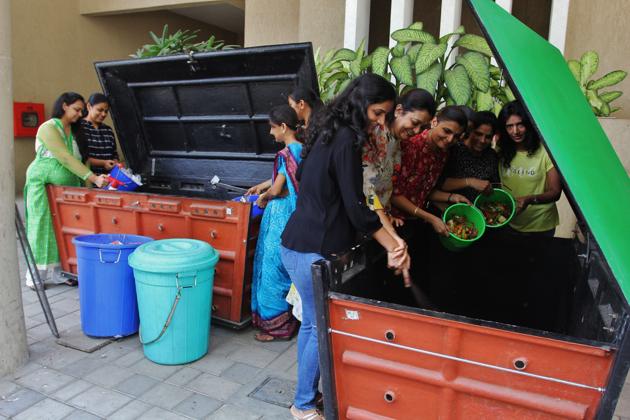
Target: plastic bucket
point(107, 292)
point(256, 211)
point(455, 243)
point(120, 181)
point(497, 195)
point(174, 279)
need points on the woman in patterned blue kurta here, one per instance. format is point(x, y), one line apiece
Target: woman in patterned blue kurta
point(270, 283)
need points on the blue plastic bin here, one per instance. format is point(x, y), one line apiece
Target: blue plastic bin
point(107, 291)
point(174, 279)
point(256, 211)
point(120, 181)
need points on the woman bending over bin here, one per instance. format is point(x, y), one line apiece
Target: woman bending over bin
point(423, 159)
point(332, 208)
point(57, 162)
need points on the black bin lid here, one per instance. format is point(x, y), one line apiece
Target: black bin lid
point(196, 116)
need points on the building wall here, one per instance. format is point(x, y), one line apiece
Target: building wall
point(54, 49)
point(270, 22)
point(600, 25)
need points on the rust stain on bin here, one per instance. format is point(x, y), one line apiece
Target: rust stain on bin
point(223, 224)
point(455, 370)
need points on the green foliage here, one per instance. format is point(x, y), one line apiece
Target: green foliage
point(181, 42)
point(418, 60)
point(586, 68)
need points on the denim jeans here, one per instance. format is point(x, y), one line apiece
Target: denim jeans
point(298, 266)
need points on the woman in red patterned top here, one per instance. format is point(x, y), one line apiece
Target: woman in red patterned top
point(423, 159)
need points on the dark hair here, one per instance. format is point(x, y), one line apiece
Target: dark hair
point(307, 95)
point(507, 147)
point(283, 114)
point(453, 113)
point(67, 98)
point(485, 118)
point(349, 108)
point(468, 111)
point(97, 98)
point(417, 100)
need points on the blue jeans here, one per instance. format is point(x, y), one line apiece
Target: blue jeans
point(298, 266)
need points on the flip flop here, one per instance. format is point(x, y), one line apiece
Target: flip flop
point(267, 338)
point(71, 283)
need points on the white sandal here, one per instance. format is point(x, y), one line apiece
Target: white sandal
point(311, 414)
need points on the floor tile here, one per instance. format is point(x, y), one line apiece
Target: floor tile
point(183, 376)
point(214, 386)
point(82, 415)
point(130, 359)
point(45, 380)
point(241, 373)
point(231, 412)
point(81, 367)
point(71, 390)
point(198, 406)
point(46, 409)
point(165, 395)
point(109, 375)
point(100, 401)
point(148, 368)
point(19, 401)
point(136, 385)
point(253, 356)
point(157, 413)
point(130, 411)
point(214, 364)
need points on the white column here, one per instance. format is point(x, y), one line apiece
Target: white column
point(505, 4)
point(13, 348)
point(558, 23)
point(450, 19)
point(356, 24)
point(401, 16)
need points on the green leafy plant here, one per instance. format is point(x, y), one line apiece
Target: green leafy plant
point(583, 71)
point(180, 42)
point(420, 60)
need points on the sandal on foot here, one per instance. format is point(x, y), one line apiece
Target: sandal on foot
point(71, 283)
point(311, 414)
point(267, 338)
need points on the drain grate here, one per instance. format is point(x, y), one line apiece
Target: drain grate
point(275, 391)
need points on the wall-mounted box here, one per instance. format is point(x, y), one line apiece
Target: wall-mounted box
point(27, 117)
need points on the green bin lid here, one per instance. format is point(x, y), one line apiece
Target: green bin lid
point(592, 173)
point(173, 256)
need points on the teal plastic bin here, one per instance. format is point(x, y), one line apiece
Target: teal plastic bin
point(174, 279)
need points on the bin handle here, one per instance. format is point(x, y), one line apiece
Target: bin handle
point(100, 257)
point(177, 277)
point(168, 319)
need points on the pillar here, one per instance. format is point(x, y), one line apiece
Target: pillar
point(13, 347)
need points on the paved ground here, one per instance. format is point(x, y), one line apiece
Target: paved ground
point(118, 382)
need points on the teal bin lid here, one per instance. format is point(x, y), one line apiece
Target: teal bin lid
point(174, 256)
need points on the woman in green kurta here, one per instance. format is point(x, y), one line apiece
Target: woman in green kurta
point(57, 162)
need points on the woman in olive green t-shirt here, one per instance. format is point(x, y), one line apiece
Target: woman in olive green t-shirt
point(528, 173)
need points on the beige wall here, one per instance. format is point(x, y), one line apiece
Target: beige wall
point(601, 25)
point(54, 48)
point(269, 22)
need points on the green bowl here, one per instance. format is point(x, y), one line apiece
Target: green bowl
point(455, 243)
point(497, 195)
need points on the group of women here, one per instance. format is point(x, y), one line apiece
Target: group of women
point(363, 165)
point(72, 148)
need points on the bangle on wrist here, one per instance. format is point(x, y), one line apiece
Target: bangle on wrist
point(415, 211)
point(449, 196)
point(534, 199)
point(467, 183)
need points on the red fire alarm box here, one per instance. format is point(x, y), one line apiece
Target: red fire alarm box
point(27, 117)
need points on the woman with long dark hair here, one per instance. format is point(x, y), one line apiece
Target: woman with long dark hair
point(58, 162)
point(96, 137)
point(305, 102)
point(271, 313)
point(332, 206)
point(423, 159)
point(528, 173)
